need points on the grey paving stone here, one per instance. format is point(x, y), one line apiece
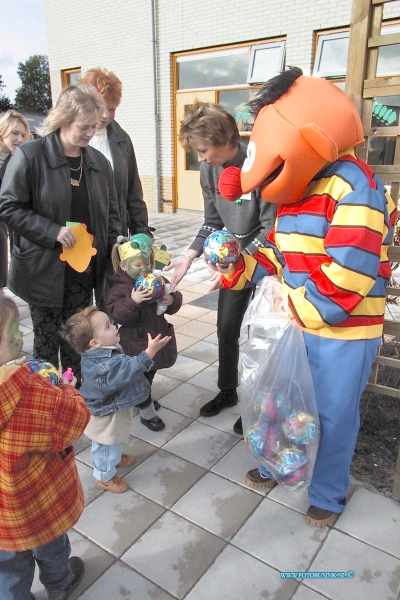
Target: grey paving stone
point(207, 379)
point(174, 554)
point(377, 574)
point(187, 399)
point(201, 444)
point(373, 519)
point(164, 478)
point(185, 368)
point(162, 384)
point(204, 351)
point(217, 505)
point(115, 521)
point(174, 423)
point(237, 576)
point(121, 583)
point(280, 537)
point(235, 464)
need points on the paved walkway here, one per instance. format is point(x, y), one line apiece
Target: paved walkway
point(189, 528)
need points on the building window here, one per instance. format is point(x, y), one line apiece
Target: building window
point(71, 76)
point(231, 67)
point(213, 69)
point(266, 61)
point(389, 56)
point(331, 55)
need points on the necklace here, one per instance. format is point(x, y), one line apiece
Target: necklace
point(76, 182)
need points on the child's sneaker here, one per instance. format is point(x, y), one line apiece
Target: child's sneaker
point(126, 461)
point(154, 424)
point(115, 485)
point(77, 571)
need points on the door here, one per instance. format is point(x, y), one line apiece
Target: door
point(189, 196)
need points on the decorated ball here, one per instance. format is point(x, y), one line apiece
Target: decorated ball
point(301, 428)
point(44, 368)
point(221, 247)
point(273, 403)
point(152, 283)
point(291, 466)
point(263, 440)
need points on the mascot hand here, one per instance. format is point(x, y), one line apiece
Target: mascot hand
point(229, 185)
point(216, 282)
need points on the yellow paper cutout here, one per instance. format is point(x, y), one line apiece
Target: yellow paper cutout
point(79, 256)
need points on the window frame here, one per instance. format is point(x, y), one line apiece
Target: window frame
point(321, 38)
point(251, 80)
point(66, 73)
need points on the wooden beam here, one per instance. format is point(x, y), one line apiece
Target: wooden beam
point(392, 328)
point(357, 55)
point(384, 40)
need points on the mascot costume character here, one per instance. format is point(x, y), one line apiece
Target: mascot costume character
point(329, 245)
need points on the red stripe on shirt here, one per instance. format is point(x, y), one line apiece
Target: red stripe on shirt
point(346, 299)
point(304, 263)
point(360, 237)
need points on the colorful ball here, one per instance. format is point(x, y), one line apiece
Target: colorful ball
point(301, 428)
point(152, 283)
point(291, 466)
point(274, 404)
point(44, 368)
point(221, 247)
point(263, 440)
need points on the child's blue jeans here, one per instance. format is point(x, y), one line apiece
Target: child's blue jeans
point(17, 569)
point(105, 459)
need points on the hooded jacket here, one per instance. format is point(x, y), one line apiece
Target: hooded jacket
point(41, 496)
point(137, 320)
point(36, 202)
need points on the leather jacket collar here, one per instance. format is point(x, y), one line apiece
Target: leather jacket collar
point(55, 153)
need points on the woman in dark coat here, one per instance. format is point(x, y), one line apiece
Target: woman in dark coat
point(50, 183)
point(14, 131)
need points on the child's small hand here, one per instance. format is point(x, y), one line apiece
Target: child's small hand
point(140, 295)
point(167, 300)
point(155, 344)
point(69, 381)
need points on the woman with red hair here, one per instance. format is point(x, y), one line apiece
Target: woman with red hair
point(116, 145)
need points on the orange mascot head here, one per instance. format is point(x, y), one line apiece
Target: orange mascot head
point(302, 123)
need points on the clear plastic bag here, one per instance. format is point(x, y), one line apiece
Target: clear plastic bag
point(279, 413)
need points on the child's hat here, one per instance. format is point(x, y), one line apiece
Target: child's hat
point(138, 244)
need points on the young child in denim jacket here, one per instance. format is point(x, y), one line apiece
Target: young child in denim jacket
point(136, 311)
point(41, 494)
point(112, 384)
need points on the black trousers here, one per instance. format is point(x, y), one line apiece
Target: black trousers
point(47, 321)
point(231, 308)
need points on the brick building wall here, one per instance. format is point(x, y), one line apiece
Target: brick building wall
point(117, 34)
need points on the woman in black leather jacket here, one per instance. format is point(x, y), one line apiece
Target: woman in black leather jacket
point(50, 183)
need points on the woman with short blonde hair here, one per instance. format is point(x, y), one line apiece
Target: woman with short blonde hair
point(14, 131)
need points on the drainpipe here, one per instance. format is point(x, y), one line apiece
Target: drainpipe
point(156, 136)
